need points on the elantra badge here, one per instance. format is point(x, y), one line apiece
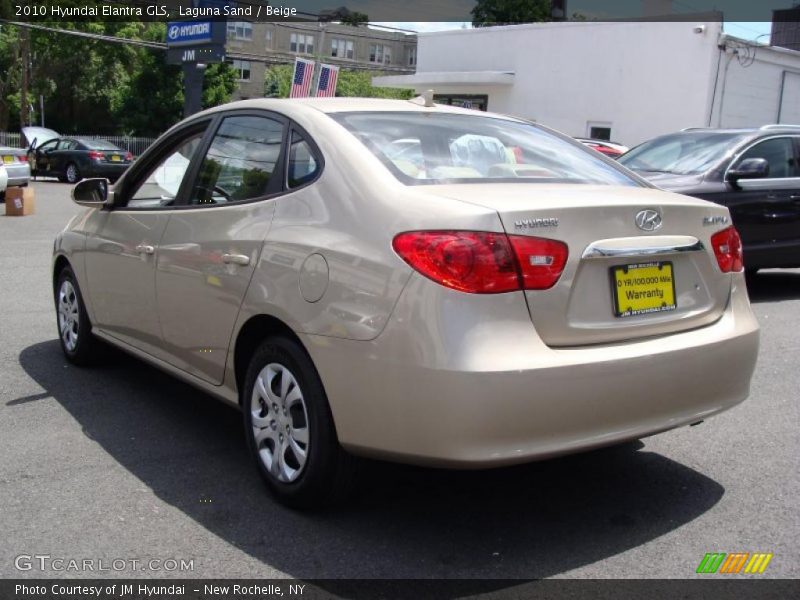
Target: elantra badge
point(648, 219)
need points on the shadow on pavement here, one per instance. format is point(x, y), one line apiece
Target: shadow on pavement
point(773, 286)
point(525, 522)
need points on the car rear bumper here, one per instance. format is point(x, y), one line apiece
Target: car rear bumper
point(495, 395)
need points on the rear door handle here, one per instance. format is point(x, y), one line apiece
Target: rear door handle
point(236, 259)
point(145, 249)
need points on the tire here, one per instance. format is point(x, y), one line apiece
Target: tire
point(285, 408)
point(71, 173)
point(74, 328)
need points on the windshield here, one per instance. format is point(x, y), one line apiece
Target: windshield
point(680, 153)
point(451, 148)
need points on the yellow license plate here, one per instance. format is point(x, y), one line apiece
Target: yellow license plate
point(8, 159)
point(643, 288)
point(116, 158)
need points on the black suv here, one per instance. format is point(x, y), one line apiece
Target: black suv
point(754, 172)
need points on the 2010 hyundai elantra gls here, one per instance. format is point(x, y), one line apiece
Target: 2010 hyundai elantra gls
point(407, 281)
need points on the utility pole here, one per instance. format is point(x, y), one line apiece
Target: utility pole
point(24, 49)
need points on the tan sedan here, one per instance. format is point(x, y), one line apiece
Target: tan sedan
point(401, 280)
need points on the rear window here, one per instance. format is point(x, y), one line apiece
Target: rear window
point(435, 148)
point(99, 145)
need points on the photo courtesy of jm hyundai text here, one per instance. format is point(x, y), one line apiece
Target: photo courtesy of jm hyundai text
point(406, 281)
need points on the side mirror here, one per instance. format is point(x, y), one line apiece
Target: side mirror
point(749, 168)
point(92, 193)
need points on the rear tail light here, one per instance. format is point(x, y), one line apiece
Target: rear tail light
point(23, 158)
point(482, 262)
point(95, 155)
point(541, 261)
point(128, 156)
point(728, 249)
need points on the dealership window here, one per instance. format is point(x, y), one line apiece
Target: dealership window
point(599, 131)
point(342, 48)
point(268, 37)
point(240, 30)
point(379, 53)
point(301, 43)
point(240, 161)
point(242, 68)
point(412, 56)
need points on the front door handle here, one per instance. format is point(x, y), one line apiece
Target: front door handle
point(236, 259)
point(145, 249)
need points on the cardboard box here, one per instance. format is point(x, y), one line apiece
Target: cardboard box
point(19, 202)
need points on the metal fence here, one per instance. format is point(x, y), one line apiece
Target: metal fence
point(134, 145)
point(9, 139)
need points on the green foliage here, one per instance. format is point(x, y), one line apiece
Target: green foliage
point(100, 87)
point(355, 18)
point(218, 85)
point(278, 83)
point(508, 12)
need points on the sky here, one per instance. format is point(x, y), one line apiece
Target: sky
point(754, 31)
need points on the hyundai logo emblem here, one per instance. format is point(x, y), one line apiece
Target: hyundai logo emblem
point(648, 219)
point(173, 32)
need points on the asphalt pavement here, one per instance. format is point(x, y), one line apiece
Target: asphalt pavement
point(123, 462)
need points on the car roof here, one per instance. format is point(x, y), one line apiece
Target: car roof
point(291, 106)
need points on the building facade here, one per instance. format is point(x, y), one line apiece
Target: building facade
point(627, 81)
point(252, 47)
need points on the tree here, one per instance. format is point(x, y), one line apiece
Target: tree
point(508, 12)
point(355, 19)
point(95, 86)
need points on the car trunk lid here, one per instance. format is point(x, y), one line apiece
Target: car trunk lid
point(620, 281)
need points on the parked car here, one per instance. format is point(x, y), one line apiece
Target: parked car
point(610, 149)
point(72, 159)
point(16, 164)
point(283, 256)
point(755, 173)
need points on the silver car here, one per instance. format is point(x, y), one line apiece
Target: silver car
point(402, 280)
point(16, 165)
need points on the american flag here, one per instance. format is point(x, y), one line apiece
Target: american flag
point(327, 80)
point(301, 82)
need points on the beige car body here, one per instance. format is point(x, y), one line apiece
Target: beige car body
point(415, 371)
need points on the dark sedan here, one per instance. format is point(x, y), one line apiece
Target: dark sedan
point(72, 159)
point(754, 172)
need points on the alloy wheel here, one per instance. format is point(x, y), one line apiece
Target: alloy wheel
point(280, 423)
point(68, 315)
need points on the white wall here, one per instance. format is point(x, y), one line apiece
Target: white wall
point(645, 78)
point(752, 88)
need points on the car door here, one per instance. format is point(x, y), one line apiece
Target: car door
point(42, 155)
point(209, 250)
point(58, 158)
point(121, 253)
point(766, 211)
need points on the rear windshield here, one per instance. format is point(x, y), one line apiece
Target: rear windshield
point(99, 145)
point(435, 148)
